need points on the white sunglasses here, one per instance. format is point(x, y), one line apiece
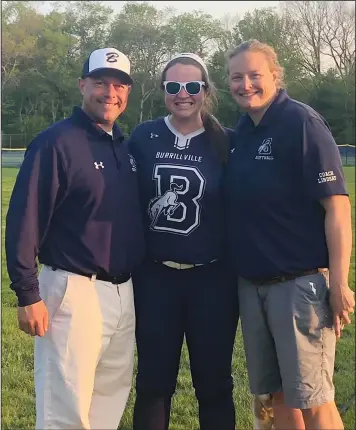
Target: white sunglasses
point(192, 87)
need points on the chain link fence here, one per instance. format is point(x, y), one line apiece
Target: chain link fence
point(13, 141)
point(13, 148)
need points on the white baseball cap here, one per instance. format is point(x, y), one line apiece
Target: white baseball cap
point(110, 60)
point(194, 57)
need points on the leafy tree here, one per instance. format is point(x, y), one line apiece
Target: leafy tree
point(196, 32)
point(141, 31)
point(88, 22)
point(42, 57)
point(267, 26)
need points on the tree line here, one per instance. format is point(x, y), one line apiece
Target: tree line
point(43, 54)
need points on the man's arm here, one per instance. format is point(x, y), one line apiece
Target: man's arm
point(30, 210)
point(338, 233)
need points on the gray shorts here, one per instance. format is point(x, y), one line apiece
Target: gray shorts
point(289, 339)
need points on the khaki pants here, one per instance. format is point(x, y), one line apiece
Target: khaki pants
point(84, 363)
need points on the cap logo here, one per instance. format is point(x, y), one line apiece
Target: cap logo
point(106, 59)
point(111, 57)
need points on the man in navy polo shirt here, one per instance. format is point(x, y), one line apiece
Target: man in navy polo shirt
point(75, 207)
point(290, 238)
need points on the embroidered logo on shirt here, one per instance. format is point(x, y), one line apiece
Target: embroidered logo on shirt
point(326, 177)
point(265, 150)
point(153, 135)
point(99, 165)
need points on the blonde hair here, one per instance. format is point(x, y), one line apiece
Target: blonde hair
point(254, 45)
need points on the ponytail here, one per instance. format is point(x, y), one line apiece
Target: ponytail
point(218, 136)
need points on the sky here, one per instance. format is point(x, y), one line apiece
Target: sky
point(218, 9)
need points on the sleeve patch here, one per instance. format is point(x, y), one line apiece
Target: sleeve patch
point(327, 176)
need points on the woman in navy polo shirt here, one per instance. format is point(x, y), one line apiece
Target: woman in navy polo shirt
point(289, 221)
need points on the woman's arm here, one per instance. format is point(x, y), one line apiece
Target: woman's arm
point(338, 233)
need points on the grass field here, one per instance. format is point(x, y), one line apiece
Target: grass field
point(18, 408)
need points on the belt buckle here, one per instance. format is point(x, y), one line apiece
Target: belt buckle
point(178, 266)
point(172, 264)
point(188, 266)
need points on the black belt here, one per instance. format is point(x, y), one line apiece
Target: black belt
point(117, 279)
point(283, 278)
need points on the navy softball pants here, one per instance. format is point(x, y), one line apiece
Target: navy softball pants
point(200, 303)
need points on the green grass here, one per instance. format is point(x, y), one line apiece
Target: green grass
point(18, 407)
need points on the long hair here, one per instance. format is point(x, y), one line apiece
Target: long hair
point(218, 137)
point(254, 45)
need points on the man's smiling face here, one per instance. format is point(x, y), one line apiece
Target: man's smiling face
point(105, 97)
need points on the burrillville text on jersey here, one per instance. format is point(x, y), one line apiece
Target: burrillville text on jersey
point(179, 156)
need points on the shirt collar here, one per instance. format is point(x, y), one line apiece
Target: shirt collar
point(270, 115)
point(81, 118)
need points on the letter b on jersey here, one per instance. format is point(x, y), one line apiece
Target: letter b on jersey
point(176, 207)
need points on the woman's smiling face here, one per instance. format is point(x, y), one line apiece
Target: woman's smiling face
point(184, 105)
point(251, 81)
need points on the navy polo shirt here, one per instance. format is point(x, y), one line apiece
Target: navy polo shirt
point(74, 205)
point(276, 175)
